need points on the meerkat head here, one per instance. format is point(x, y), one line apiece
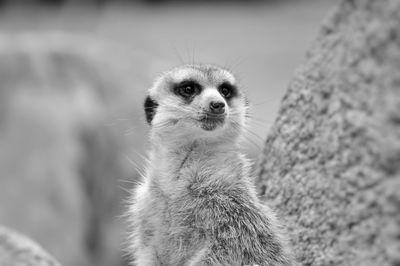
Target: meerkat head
point(196, 102)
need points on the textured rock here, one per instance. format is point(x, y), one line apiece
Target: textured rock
point(18, 250)
point(331, 163)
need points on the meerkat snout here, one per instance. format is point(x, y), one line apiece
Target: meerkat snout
point(214, 102)
point(215, 111)
point(217, 107)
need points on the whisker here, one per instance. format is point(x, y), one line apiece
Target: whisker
point(259, 122)
point(162, 124)
point(135, 165)
point(128, 181)
point(125, 189)
point(235, 63)
point(188, 53)
point(193, 53)
point(254, 134)
point(239, 128)
point(178, 55)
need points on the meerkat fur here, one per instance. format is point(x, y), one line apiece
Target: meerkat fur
point(196, 204)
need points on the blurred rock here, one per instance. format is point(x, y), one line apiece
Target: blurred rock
point(68, 105)
point(18, 250)
point(331, 163)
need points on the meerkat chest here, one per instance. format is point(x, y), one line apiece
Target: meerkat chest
point(205, 181)
point(208, 182)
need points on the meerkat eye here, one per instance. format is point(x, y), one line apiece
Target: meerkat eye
point(226, 90)
point(187, 89)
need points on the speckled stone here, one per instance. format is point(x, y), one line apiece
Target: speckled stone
point(331, 163)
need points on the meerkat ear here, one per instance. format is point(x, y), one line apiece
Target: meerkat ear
point(150, 108)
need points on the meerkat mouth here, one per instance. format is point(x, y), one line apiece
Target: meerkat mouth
point(210, 122)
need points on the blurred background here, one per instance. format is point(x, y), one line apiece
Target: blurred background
point(73, 75)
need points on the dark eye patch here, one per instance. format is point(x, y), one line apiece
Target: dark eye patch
point(187, 89)
point(150, 108)
point(227, 90)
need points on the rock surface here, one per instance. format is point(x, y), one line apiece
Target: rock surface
point(331, 163)
point(18, 250)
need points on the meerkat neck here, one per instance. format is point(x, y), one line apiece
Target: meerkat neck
point(177, 151)
point(169, 160)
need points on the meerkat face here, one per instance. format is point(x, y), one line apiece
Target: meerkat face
point(196, 101)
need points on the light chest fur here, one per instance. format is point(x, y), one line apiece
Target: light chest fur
point(198, 207)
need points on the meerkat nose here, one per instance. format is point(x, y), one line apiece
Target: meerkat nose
point(217, 107)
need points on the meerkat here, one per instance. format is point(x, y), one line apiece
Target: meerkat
point(197, 204)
